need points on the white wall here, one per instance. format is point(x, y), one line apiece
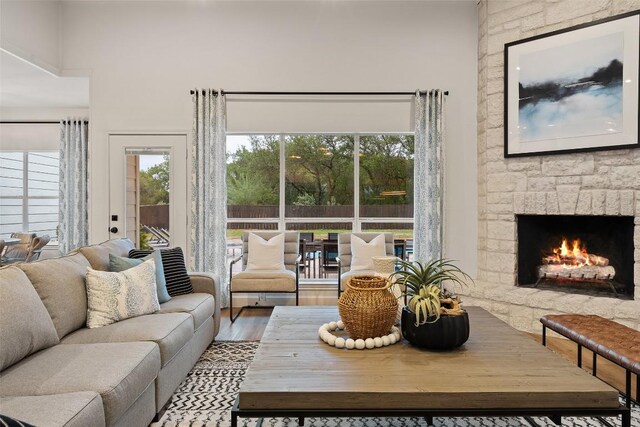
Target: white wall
point(31, 137)
point(144, 57)
point(31, 30)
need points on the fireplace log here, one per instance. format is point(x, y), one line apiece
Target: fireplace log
point(587, 272)
point(598, 260)
point(595, 260)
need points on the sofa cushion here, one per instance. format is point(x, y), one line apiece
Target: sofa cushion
point(119, 372)
point(79, 409)
point(264, 281)
point(112, 297)
point(199, 306)
point(170, 331)
point(60, 285)
point(26, 326)
point(175, 270)
point(119, 263)
point(98, 255)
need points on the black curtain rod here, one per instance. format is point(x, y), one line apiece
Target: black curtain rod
point(236, 92)
point(36, 123)
point(215, 92)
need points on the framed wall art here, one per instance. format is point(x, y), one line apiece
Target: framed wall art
point(573, 90)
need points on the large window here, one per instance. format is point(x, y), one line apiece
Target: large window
point(253, 176)
point(29, 192)
point(319, 176)
point(320, 183)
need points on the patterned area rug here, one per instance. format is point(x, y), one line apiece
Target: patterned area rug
point(205, 397)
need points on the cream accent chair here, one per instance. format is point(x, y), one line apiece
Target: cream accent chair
point(345, 255)
point(266, 281)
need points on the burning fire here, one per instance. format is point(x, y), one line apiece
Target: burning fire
point(574, 255)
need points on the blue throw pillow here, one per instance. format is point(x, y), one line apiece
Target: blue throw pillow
point(118, 263)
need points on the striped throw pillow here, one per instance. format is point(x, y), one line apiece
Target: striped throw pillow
point(12, 422)
point(175, 271)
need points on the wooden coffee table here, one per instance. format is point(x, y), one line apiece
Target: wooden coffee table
point(498, 372)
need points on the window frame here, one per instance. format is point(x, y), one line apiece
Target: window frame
point(25, 198)
point(356, 220)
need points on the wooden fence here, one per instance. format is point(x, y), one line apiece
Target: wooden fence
point(158, 216)
point(155, 216)
point(342, 211)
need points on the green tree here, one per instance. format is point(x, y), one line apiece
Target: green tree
point(320, 166)
point(154, 184)
point(319, 170)
point(253, 172)
point(386, 164)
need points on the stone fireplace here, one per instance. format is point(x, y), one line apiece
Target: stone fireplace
point(592, 255)
point(568, 187)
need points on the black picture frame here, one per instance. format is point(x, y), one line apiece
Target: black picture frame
point(563, 103)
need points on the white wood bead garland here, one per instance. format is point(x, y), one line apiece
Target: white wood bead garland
point(325, 332)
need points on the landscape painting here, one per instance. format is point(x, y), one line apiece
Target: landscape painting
point(573, 90)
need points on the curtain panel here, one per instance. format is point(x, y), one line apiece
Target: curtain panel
point(428, 175)
point(73, 228)
point(209, 189)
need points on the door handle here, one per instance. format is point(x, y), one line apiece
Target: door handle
point(114, 230)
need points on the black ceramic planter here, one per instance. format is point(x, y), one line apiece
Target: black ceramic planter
point(447, 333)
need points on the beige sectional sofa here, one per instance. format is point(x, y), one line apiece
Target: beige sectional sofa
point(59, 373)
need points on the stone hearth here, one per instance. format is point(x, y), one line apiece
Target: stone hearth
point(591, 184)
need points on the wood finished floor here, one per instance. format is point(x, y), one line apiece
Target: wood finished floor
point(250, 326)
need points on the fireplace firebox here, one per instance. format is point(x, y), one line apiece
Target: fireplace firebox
point(583, 254)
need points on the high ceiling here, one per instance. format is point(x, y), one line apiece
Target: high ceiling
point(22, 85)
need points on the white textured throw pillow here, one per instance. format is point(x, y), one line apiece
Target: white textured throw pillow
point(112, 297)
point(362, 253)
point(266, 254)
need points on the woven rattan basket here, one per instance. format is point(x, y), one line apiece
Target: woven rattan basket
point(367, 307)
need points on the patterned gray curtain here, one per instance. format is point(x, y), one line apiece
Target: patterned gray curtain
point(428, 176)
point(209, 187)
point(73, 213)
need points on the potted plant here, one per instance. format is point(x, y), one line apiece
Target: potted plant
point(433, 317)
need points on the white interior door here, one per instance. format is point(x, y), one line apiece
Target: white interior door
point(127, 154)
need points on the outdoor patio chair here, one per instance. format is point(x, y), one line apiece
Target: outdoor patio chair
point(19, 251)
point(345, 255)
point(267, 280)
point(329, 257)
point(37, 244)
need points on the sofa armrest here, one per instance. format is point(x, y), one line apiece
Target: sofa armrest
point(209, 284)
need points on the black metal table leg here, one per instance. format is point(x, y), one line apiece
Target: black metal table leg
point(544, 335)
point(628, 388)
point(429, 420)
point(300, 421)
point(626, 418)
point(579, 356)
point(594, 369)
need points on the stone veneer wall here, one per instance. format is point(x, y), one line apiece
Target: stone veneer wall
point(599, 183)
